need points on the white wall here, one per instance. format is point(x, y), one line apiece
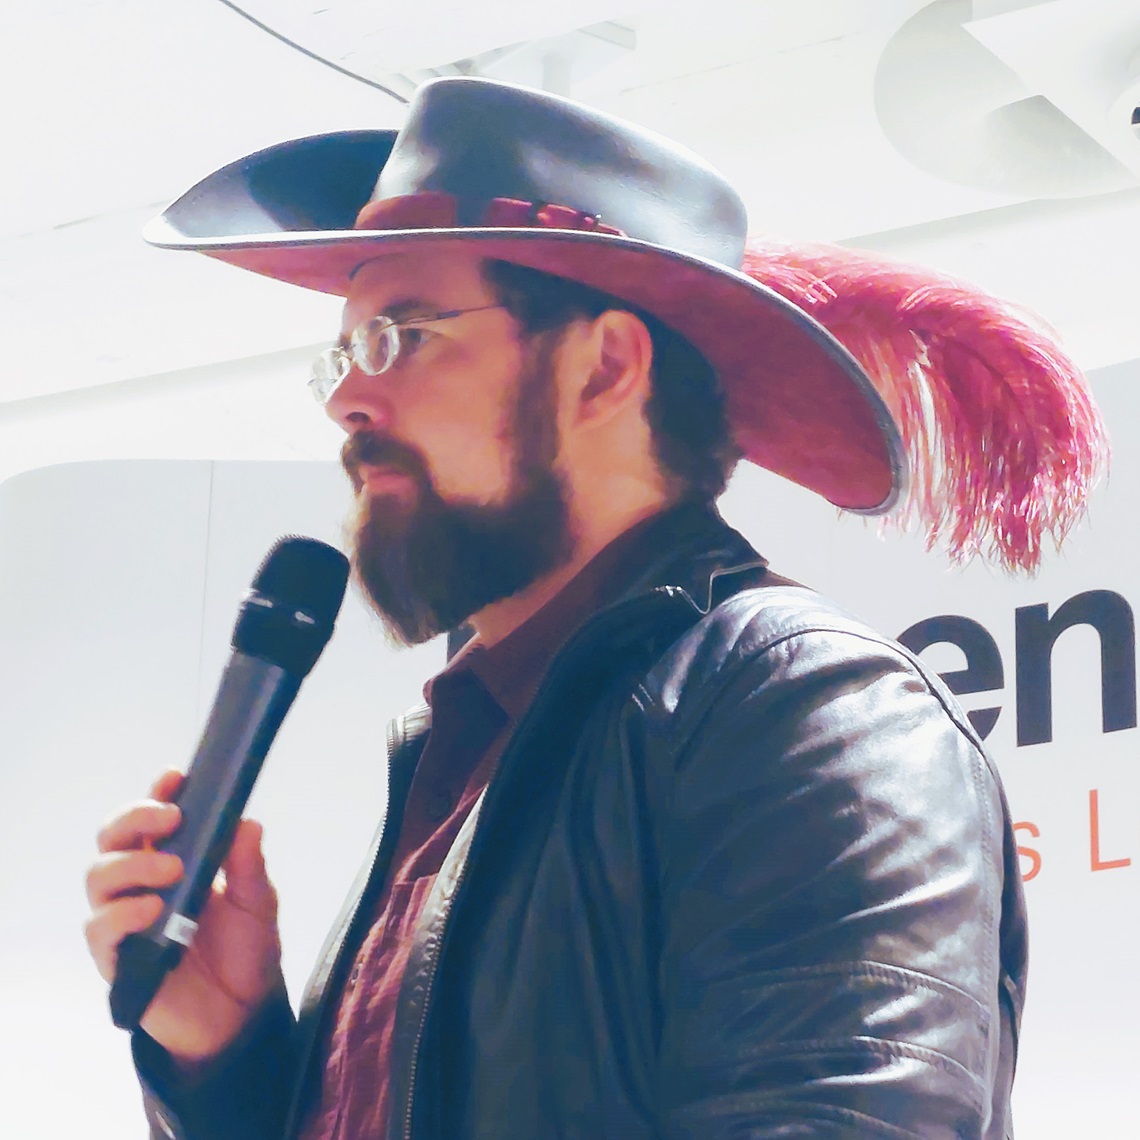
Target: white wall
point(119, 581)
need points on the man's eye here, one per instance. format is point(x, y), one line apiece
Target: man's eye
point(411, 338)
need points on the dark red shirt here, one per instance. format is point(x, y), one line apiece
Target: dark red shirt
point(476, 703)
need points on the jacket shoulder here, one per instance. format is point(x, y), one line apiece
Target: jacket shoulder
point(832, 848)
point(759, 617)
point(782, 633)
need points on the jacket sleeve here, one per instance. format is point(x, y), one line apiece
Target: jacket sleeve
point(243, 1095)
point(832, 863)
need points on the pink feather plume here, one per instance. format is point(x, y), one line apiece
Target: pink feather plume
point(1003, 439)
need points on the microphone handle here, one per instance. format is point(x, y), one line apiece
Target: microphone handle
point(252, 700)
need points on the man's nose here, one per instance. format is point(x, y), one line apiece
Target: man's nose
point(360, 402)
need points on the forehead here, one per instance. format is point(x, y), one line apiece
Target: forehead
point(442, 279)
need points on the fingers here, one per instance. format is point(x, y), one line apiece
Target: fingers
point(119, 873)
point(121, 881)
point(167, 785)
point(119, 886)
point(147, 821)
point(110, 924)
point(143, 823)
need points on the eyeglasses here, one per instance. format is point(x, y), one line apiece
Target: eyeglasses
point(373, 347)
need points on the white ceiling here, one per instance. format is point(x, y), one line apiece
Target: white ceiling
point(991, 139)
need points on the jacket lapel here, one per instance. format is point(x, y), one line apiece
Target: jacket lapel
point(407, 735)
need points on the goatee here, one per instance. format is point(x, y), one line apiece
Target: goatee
point(428, 566)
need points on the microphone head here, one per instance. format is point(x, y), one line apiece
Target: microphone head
point(288, 615)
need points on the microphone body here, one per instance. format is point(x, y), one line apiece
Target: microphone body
point(276, 642)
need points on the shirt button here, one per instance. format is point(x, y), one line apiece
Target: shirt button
point(439, 805)
point(354, 977)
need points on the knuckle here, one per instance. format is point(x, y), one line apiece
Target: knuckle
point(100, 941)
point(117, 833)
point(132, 915)
point(94, 889)
point(101, 876)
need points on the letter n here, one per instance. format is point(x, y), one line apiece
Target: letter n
point(1110, 615)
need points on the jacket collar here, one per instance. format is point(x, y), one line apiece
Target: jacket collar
point(703, 554)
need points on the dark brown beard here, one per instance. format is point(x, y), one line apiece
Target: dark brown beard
point(426, 568)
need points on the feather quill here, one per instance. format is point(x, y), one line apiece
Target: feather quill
point(1003, 439)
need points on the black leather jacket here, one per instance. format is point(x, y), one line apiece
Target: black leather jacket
point(744, 870)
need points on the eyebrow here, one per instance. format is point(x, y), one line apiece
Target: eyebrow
point(410, 307)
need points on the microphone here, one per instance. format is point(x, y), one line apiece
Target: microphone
point(284, 623)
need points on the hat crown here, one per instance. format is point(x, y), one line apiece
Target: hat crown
point(479, 140)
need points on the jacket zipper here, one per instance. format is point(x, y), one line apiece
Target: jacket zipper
point(433, 969)
point(671, 594)
point(395, 738)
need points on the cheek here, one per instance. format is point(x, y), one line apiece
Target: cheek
point(468, 441)
point(470, 464)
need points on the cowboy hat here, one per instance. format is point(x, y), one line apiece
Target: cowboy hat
point(530, 178)
point(841, 371)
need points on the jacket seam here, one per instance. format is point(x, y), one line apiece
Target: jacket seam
point(829, 1114)
point(861, 1043)
point(862, 634)
point(788, 976)
point(742, 661)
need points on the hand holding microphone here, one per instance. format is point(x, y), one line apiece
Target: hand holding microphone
point(153, 891)
point(234, 961)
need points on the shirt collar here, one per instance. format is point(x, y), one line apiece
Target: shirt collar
point(511, 669)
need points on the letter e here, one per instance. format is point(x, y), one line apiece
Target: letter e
point(983, 672)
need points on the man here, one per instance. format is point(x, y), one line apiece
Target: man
point(676, 848)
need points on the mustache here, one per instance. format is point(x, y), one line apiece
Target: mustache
point(364, 449)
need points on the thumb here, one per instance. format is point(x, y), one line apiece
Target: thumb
point(247, 881)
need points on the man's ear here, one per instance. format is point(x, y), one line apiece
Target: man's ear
point(620, 365)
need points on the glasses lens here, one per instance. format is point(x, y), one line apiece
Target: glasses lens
point(322, 389)
point(375, 344)
point(328, 370)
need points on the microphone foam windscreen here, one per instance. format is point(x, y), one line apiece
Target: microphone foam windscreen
point(294, 599)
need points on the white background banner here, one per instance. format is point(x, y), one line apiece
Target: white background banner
point(119, 582)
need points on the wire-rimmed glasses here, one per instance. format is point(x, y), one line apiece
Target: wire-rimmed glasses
point(372, 348)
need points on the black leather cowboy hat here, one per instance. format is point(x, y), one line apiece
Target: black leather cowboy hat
point(530, 178)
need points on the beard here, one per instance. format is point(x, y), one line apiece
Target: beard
point(426, 568)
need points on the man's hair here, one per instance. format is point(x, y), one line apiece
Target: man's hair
point(686, 409)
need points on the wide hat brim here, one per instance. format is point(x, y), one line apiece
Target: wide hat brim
point(799, 403)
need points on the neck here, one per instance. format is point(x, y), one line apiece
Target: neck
point(501, 618)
